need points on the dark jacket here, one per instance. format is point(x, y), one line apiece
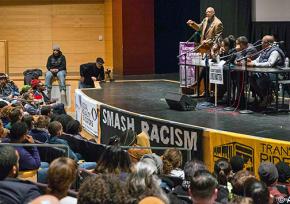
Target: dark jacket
point(90, 70)
point(16, 191)
point(56, 140)
point(41, 135)
point(28, 158)
point(56, 62)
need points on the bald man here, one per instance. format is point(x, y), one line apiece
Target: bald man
point(211, 27)
point(271, 56)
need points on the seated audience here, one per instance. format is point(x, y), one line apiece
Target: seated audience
point(74, 128)
point(114, 161)
point(172, 160)
point(155, 160)
point(31, 106)
point(45, 199)
point(40, 132)
point(222, 171)
point(8, 89)
point(203, 188)
point(61, 173)
point(237, 163)
point(16, 115)
point(239, 180)
point(143, 183)
point(28, 156)
point(55, 130)
point(4, 114)
point(258, 191)
point(102, 189)
point(284, 175)
point(91, 72)
point(190, 168)
point(13, 190)
point(268, 173)
point(140, 140)
point(46, 111)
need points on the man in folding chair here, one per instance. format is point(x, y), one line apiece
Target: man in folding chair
point(56, 67)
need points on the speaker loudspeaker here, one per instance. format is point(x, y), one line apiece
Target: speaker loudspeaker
point(180, 102)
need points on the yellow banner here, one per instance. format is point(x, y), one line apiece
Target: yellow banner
point(254, 150)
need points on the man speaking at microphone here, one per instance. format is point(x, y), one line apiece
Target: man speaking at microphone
point(271, 56)
point(211, 27)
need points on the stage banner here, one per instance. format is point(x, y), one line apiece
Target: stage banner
point(89, 109)
point(186, 60)
point(162, 133)
point(254, 150)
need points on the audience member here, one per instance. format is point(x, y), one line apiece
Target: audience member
point(141, 140)
point(155, 160)
point(172, 160)
point(45, 199)
point(61, 174)
point(143, 183)
point(239, 180)
point(258, 191)
point(8, 89)
point(114, 160)
point(13, 190)
point(4, 115)
point(55, 130)
point(190, 168)
point(15, 115)
point(241, 200)
point(284, 175)
point(203, 188)
point(151, 200)
point(103, 189)
point(28, 156)
point(74, 128)
point(40, 132)
point(237, 163)
point(46, 110)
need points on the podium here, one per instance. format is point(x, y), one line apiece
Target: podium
point(188, 71)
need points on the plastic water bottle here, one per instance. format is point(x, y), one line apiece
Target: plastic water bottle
point(287, 62)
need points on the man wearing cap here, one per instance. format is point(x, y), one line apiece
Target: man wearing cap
point(56, 66)
point(7, 87)
point(91, 72)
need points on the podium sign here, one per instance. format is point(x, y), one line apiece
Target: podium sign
point(186, 68)
point(216, 73)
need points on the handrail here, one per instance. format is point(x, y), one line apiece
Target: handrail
point(62, 146)
point(188, 151)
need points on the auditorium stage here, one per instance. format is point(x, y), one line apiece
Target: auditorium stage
point(146, 97)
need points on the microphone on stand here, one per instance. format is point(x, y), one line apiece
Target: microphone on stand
point(277, 43)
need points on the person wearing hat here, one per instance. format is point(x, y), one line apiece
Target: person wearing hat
point(91, 72)
point(8, 89)
point(56, 67)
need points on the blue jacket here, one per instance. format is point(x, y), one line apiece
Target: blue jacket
point(28, 158)
point(16, 191)
point(56, 140)
point(39, 134)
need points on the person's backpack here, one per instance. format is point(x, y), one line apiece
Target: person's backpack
point(30, 74)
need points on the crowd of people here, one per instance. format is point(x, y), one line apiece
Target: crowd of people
point(238, 51)
point(152, 179)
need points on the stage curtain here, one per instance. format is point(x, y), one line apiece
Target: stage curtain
point(170, 29)
point(278, 29)
point(235, 15)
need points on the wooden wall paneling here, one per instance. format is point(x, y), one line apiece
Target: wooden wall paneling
point(3, 56)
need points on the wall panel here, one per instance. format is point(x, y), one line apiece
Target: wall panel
point(31, 28)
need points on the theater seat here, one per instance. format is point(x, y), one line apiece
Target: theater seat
point(30, 175)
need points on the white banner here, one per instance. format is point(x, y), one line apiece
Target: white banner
point(78, 102)
point(216, 73)
point(90, 115)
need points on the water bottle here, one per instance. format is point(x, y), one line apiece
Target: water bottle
point(287, 62)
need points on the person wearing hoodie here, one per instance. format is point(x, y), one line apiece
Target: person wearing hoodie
point(56, 67)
